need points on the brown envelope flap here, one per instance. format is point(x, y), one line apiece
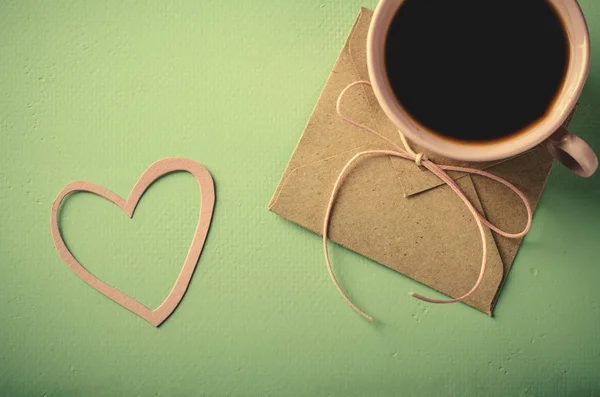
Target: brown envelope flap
point(413, 186)
point(431, 238)
point(428, 181)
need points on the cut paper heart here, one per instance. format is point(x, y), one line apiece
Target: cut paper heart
point(154, 172)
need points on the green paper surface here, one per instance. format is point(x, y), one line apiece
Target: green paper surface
point(100, 90)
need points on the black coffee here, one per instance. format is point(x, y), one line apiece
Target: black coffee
point(476, 70)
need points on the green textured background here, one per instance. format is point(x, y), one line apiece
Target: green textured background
point(98, 90)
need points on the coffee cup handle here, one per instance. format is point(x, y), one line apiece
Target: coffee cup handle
point(572, 152)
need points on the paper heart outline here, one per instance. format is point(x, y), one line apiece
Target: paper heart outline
point(151, 175)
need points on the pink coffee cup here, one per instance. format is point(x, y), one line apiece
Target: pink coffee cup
point(567, 148)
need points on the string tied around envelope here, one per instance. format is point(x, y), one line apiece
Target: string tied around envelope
point(438, 170)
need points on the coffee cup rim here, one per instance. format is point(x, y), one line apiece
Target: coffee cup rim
point(576, 28)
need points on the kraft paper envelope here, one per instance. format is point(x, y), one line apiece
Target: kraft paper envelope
point(392, 211)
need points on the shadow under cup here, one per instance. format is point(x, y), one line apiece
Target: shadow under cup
point(474, 80)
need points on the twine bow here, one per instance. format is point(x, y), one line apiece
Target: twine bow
point(438, 170)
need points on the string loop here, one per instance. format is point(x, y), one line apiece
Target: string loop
point(419, 159)
point(438, 170)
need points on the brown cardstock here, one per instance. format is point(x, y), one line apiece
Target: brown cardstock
point(154, 172)
point(389, 209)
